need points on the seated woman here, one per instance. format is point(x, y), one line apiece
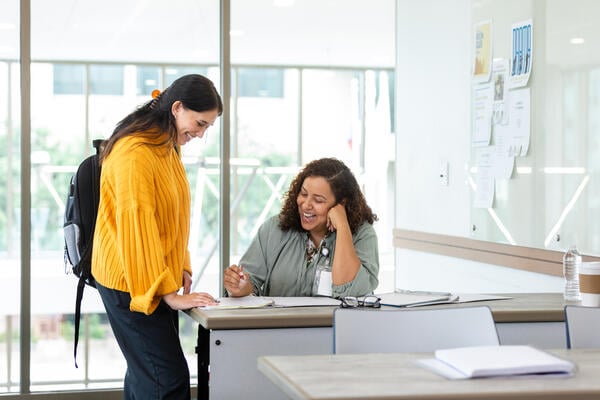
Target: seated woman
point(324, 216)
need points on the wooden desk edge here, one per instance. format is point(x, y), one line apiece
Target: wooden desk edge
point(271, 372)
point(503, 311)
point(294, 317)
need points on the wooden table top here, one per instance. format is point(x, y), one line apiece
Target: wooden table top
point(397, 376)
point(521, 307)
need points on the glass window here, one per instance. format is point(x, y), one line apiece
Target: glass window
point(58, 125)
point(307, 96)
point(260, 82)
point(69, 79)
point(301, 97)
point(106, 79)
point(79, 93)
point(10, 215)
point(264, 150)
point(173, 72)
point(332, 112)
point(148, 79)
point(10, 200)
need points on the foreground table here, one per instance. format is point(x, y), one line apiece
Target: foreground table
point(396, 376)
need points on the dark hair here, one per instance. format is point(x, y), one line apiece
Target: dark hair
point(154, 118)
point(344, 186)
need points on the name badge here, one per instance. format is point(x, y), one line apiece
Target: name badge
point(325, 284)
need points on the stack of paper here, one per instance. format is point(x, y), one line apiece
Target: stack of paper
point(262, 301)
point(408, 298)
point(415, 298)
point(241, 302)
point(486, 361)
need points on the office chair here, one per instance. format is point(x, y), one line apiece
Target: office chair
point(362, 330)
point(583, 327)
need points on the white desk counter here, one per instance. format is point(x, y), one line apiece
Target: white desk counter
point(396, 376)
point(230, 341)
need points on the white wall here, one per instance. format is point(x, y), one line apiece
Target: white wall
point(422, 271)
point(432, 115)
point(433, 120)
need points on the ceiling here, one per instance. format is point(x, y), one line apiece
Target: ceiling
point(265, 32)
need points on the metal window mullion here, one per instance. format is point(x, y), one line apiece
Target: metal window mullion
point(25, 80)
point(225, 138)
point(300, 108)
point(86, 96)
point(10, 132)
point(9, 340)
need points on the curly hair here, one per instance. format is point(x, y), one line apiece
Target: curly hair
point(344, 186)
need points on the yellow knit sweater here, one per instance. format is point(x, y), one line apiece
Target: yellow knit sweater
point(143, 224)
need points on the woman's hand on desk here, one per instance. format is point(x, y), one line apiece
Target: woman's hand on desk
point(190, 300)
point(237, 282)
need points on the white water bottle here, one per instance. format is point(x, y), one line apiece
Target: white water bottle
point(571, 264)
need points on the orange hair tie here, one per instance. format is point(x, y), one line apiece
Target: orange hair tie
point(155, 93)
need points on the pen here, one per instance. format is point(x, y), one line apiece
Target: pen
point(241, 273)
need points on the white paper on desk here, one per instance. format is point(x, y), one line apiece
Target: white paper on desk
point(241, 302)
point(405, 298)
point(304, 301)
point(440, 368)
point(448, 372)
point(469, 297)
point(501, 360)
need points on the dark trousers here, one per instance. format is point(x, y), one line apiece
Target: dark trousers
point(156, 366)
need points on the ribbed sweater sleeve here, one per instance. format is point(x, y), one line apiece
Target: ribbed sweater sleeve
point(142, 230)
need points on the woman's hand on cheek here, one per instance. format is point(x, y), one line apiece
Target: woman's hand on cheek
point(336, 216)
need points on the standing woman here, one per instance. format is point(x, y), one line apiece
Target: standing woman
point(140, 258)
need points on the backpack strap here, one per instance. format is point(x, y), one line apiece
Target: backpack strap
point(79, 297)
point(83, 268)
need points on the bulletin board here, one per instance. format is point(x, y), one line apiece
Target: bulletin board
point(534, 169)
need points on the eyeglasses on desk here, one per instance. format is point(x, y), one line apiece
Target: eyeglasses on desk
point(365, 301)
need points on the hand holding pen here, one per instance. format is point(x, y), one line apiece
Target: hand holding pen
point(236, 281)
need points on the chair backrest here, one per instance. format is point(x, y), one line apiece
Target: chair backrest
point(583, 327)
point(411, 330)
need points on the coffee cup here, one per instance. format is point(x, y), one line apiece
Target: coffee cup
point(589, 283)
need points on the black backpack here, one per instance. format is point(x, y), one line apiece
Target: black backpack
point(81, 209)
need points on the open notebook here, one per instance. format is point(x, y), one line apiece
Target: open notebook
point(263, 301)
point(489, 361)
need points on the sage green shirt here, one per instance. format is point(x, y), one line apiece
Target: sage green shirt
point(276, 262)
